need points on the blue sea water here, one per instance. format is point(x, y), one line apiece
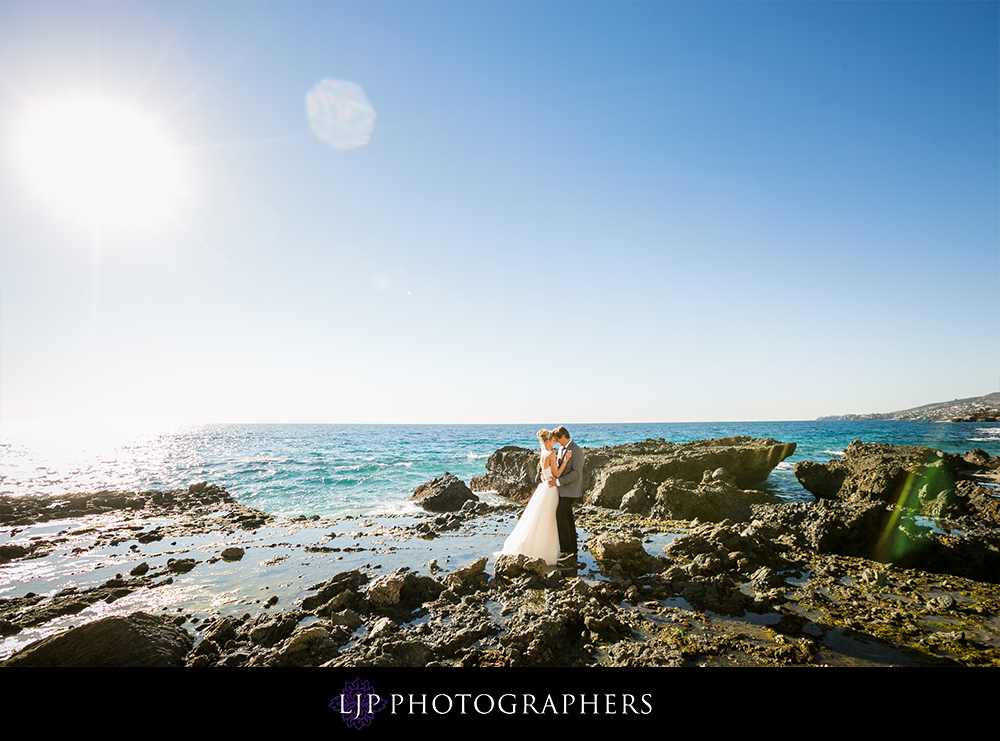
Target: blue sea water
point(336, 470)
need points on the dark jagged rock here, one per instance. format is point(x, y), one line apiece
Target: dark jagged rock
point(222, 631)
point(981, 459)
point(886, 534)
point(612, 473)
point(710, 501)
point(470, 577)
point(846, 528)
point(562, 630)
point(445, 494)
point(917, 478)
point(624, 551)
point(718, 557)
point(181, 565)
point(25, 612)
point(512, 472)
point(341, 589)
point(510, 567)
point(11, 552)
point(911, 506)
point(139, 640)
point(267, 630)
point(310, 645)
point(30, 509)
point(402, 591)
point(617, 470)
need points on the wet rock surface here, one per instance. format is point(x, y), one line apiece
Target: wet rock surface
point(752, 583)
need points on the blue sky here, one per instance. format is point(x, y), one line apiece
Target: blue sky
point(565, 212)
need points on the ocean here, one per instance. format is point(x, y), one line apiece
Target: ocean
point(337, 470)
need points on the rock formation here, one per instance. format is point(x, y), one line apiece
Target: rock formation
point(193, 501)
point(612, 473)
point(138, 640)
point(447, 493)
point(911, 506)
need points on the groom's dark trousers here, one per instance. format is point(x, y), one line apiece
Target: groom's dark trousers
point(570, 489)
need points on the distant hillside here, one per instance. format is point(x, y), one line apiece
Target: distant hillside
point(974, 409)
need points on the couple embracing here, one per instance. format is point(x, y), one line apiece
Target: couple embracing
point(547, 529)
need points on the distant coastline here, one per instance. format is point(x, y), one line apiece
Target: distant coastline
point(974, 409)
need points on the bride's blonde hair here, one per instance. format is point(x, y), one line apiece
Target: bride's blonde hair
point(544, 436)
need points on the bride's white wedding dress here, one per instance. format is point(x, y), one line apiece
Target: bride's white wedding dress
point(535, 534)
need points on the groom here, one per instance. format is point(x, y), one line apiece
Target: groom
point(570, 489)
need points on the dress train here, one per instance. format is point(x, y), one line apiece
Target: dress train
point(536, 534)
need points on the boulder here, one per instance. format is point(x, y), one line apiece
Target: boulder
point(509, 567)
point(714, 501)
point(384, 591)
point(138, 639)
point(472, 575)
point(269, 630)
point(401, 591)
point(343, 587)
point(625, 551)
point(613, 546)
point(181, 565)
point(445, 494)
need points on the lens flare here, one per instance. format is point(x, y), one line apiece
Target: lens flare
point(340, 114)
point(927, 482)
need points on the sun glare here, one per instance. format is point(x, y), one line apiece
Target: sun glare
point(99, 159)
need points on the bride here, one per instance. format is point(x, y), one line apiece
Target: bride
point(535, 534)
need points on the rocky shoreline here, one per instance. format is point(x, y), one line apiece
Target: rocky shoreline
point(682, 566)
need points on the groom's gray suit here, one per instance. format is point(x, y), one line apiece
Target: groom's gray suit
point(570, 489)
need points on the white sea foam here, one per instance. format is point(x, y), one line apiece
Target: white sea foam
point(404, 507)
point(990, 435)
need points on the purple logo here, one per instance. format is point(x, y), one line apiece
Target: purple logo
point(358, 703)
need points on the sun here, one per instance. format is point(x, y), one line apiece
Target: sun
point(99, 159)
